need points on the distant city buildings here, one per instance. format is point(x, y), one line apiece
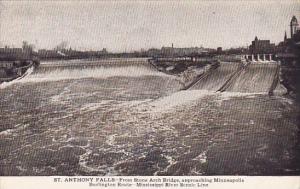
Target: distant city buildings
point(11, 50)
point(294, 27)
point(261, 47)
point(295, 33)
point(69, 53)
point(235, 51)
point(258, 46)
point(183, 51)
point(179, 52)
point(290, 47)
point(8, 53)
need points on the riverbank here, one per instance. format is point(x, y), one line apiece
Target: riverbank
point(13, 70)
point(186, 71)
point(290, 78)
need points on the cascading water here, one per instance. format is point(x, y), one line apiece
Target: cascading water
point(91, 69)
point(217, 78)
point(123, 117)
point(256, 78)
point(235, 77)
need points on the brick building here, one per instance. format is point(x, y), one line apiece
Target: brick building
point(261, 47)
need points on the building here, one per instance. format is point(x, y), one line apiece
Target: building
point(8, 53)
point(153, 52)
point(289, 45)
point(288, 50)
point(172, 51)
point(8, 50)
point(261, 47)
point(44, 53)
point(295, 32)
point(6, 64)
point(294, 26)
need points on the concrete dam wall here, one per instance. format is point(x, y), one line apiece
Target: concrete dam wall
point(238, 77)
point(77, 69)
point(125, 71)
point(228, 76)
point(214, 80)
point(257, 77)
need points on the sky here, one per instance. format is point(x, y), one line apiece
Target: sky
point(135, 25)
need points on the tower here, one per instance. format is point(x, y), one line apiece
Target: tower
point(294, 25)
point(285, 36)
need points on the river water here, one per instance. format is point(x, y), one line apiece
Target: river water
point(122, 117)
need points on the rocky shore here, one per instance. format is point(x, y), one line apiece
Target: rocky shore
point(186, 72)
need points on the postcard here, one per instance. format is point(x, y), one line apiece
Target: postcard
point(150, 94)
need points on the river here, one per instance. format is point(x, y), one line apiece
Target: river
point(123, 117)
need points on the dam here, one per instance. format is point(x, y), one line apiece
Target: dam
point(123, 117)
point(255, 77)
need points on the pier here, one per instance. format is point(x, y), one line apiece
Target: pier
point(259, 57)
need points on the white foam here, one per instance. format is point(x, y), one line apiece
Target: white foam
point(6, 132)
point(187, 97)
point(17, 80)
point(202, 158)
point(229, 95)
point(111, 139)
point(13, 130)
point(171, 162)
point(224, 96)
point(178, 99)
point(94, 106)
point(99, 72)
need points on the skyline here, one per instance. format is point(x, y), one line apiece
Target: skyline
point(128, 26)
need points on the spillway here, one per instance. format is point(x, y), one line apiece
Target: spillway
point(78, 69)
point(218, 77)
point(256, 78)
point(243, 78)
